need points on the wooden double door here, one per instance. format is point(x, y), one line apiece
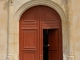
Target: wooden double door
point(40, 35)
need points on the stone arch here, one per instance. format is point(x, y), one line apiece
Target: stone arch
point(28, 5)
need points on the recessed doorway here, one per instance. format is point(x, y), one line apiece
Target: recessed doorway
point(50, 44)
point(40, 35)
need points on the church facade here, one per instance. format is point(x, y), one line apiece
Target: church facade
point(63, 17)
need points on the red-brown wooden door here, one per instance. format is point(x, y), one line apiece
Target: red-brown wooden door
point(29, 35)
point(53, 44)
point(31, 25)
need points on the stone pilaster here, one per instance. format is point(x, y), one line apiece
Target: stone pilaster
point(10, 24)
point(71, 40)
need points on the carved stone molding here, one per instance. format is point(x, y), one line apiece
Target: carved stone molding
point(32, 3)
point(70, 57)
point(10, 2)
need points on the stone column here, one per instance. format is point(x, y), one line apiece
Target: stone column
point(10, 30)
point(71, 40)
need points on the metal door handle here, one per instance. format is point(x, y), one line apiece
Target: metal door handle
point(48, 45)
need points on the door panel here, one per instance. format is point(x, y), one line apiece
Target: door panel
point(53, 44)
point(29, 44)
point(30, 38)
point(53, 55)
point(53, 39)
point(31, 17)
point(29, 56)
point(50, 19)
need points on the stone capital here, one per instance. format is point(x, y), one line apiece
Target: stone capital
point(10, 2)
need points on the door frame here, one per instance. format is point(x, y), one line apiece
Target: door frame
point(15, 24)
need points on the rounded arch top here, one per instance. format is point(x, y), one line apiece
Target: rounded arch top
point(28, 5)
point(33, 3)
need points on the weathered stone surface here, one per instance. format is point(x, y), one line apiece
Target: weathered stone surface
point(3, 30)
point(70, 28)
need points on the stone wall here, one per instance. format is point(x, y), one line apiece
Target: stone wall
point(74, 24)
point(3, 29)
point(9, 28)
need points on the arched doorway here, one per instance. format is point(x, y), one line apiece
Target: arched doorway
point(40, 34)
